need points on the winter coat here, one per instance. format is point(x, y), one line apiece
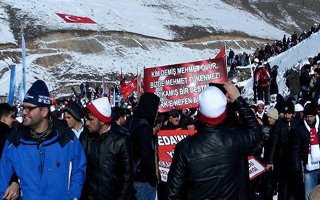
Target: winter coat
point(212, 164)
point(300, 146)
point(280, 141)
point(110, 169)
point(53, 169)
point(273, 83)
point(304, 77)
point(293, 81)
point(3, 135)
point(262, 76)
point(143, 139)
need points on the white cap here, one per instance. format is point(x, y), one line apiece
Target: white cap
point(298, 108)
point(212, 106)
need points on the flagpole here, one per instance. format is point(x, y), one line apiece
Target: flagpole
point(23, 45)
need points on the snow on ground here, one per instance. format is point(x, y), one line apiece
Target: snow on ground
point(149, 18)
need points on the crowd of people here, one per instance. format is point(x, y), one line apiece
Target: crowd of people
point(269, 50)
point(98, 151)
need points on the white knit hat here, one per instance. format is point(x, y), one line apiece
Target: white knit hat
point(273, 113)
point(101, 109)
point(212, 106)
point(298, 108)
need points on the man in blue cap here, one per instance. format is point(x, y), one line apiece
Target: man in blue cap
point(47, 158)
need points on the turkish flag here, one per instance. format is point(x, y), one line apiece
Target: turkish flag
point(76, 19)
point(129, 88)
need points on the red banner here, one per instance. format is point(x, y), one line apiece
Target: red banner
point(178, 85)
point(167, 140)
point(75, 19)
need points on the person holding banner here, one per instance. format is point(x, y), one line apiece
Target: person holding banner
point(212, 164)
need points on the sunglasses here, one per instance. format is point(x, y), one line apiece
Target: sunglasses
point(29, 108)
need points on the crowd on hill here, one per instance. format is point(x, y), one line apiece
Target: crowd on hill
point(269, 50)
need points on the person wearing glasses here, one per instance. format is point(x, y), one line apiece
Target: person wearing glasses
point(47, 158)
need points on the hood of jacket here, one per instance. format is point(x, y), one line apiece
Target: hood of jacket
point(147, 107)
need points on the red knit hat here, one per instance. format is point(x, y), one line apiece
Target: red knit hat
point(101, 109)
point(212, 106)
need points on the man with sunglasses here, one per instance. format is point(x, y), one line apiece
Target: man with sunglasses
point(47, 158)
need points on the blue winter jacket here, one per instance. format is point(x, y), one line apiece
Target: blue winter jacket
point(54, 169)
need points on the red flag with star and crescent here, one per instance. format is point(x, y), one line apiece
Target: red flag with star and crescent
point(129, 88)
point(75, 19)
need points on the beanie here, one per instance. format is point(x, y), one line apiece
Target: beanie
point(310, 109)
point(273, 113)
point(38, 94)
point(174, 113)
point(101, 109)
point(212, 106)
point(74, 110)
point(260, 103)
point(289, 107)
point(298, 107)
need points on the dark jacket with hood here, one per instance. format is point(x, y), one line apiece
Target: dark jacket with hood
point(143, 139)
point(212, 164)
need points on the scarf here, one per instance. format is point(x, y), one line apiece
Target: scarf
point(314, 150)
point(40, 137)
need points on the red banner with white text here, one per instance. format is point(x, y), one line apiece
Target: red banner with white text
point(178, 85)
point(167, 140)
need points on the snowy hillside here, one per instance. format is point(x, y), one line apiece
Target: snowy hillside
point(151, 18)
point(118, 36)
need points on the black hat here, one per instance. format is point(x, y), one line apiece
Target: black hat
point(75, 110)
point(174, 113)
point(288, 107)
point(310, 109)
point(38, 94)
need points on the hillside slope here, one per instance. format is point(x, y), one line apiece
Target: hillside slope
point(128, 36)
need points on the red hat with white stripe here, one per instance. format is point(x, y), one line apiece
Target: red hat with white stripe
point(212, 106)
point(101, 109)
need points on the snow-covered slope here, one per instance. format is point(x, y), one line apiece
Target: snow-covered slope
point(146, 17)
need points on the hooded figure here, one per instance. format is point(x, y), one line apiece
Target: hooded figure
point(143, 145)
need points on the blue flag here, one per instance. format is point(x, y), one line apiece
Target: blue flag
point(12, 85)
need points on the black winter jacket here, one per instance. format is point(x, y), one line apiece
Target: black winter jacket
point(281, 141)
point(211, 163)
point(109, 166)
point(300, 146)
